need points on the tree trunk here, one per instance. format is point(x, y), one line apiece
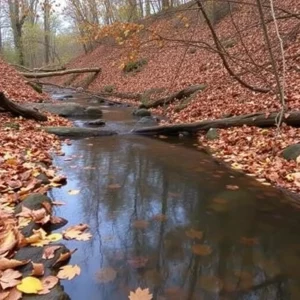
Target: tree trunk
point(255, 119)
point(59, 73)
point(47, 8)
point(19, 110)
point(185, 93)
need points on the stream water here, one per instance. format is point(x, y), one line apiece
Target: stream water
point(167, 217)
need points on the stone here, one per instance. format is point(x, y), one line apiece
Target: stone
point(142, 112)
point(291, 152)
point(78, 132)
point(43, 178)
point(97, 122)
point(148, 121)
point(94, 111)
point(34, 202)
point(212, 134)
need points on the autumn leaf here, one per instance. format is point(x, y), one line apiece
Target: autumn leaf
point(64, 256)
point(68, 272)
point(48, 283)
point(106, 275)
point(11, 263)
point(114, 186)
point(49, 252)
point(54, 237)
point(140, 224)
point(73, 192)
point(232, 187)
point(37, 269)
point(30, 285)
point(12, 294)
point(202, 250)
point(77, 232)
point(138, 262)
point(9, 278)
point(140, 294)
point(194, 234)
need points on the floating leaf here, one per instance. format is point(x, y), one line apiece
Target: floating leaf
point(202, 250)
point(73, 192)
point(30, 285)
point(194, 234)
point(54, 237)
point(106, 275)
point(77, 232)
point(68, 272)
point(140, 294)
point(140, 224)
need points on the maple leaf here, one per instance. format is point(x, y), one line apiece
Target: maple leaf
point(77, 232)
point(68, 272)
point(48, 283)
point(9, 278)
point(140, 294)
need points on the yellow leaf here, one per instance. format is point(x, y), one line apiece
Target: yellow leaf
point(140, 294)
point(30, 285)
point(54, 237)
point(68, 272)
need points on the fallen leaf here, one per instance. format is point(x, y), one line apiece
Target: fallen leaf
point(13, 294)
point(9, 278)
point(140, 224)
point(202, 250)
point(77, 232)
point(68, 272)
point(138, 262)
point(64, 256)
point(140, 294)
point(106, 275)
point(48, 283)
point(54, 237)
point(30, 285)
point(73, 192)
point(37, 269)
point(232, 187)
point(11, 263)
point(194, 234)
point(49, 252)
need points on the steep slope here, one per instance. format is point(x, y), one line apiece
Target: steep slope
point(184, 55)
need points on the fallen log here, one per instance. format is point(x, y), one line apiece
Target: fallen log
point(254, 119)
point(185, 93)
point(59, 73)
point(19, 110)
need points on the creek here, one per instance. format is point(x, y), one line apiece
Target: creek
point(151, 202)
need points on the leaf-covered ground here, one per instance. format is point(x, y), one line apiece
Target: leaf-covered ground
point(173, 65)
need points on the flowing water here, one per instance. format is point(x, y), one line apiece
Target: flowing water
point(167, 217)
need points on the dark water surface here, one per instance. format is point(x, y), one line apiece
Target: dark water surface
point(150, 204)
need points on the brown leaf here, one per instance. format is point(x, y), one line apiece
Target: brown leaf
point(77, 232)
point(202, 250)
point(140, 294)
point(194, 234)
point(37, 270)
point(138, 262)
point(64, 256)
point(48, 283)
point(14, 294)
point(140, 224)
point(232, 187)
point(11, 263)
point(49, 252)
point(9, 278)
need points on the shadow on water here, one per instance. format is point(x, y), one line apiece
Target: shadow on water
point(152, 205)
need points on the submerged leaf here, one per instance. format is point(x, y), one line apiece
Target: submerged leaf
point(202, 250)
point(106, 275)
point(140, 294)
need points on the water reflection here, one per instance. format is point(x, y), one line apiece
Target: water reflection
point(142, 197)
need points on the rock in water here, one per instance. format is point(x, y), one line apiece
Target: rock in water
point(212, 134)
point(142, 112)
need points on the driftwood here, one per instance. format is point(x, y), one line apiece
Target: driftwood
point(255, 119)
point(19, 110)
point(59, 73)
point(185, 93)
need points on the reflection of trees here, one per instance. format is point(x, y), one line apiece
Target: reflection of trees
point(158, 179)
